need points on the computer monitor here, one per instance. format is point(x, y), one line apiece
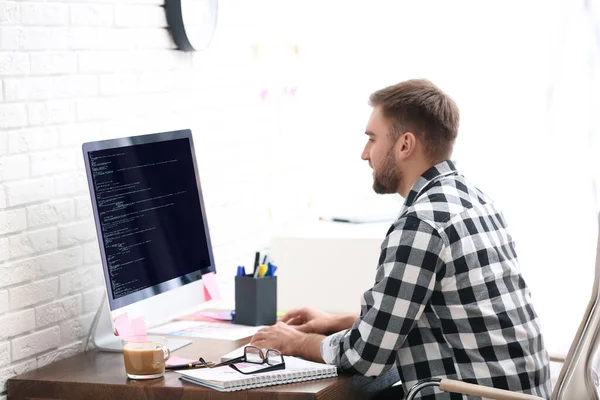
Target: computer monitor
point(151, 225)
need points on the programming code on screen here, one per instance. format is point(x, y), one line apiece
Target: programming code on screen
point(150, 214)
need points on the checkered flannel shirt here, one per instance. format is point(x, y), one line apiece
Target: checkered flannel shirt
point(448, 299)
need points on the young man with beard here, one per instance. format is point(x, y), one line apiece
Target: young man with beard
point(448, 299)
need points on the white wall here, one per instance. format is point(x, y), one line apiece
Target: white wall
point(75, 71)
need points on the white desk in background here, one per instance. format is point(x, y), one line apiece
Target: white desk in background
point(327, 265)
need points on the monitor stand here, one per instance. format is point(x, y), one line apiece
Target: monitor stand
point(104, 339)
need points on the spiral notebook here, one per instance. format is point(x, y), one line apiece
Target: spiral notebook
point(226, 379)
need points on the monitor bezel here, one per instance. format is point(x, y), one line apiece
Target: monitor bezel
point(163, 287)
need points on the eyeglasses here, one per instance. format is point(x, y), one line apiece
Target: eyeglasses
point(254, 355)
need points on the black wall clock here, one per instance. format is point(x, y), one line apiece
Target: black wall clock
point(192, 22)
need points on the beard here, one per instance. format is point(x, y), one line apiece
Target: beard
point(387, 179)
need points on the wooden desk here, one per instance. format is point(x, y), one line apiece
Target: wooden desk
point(101, 375)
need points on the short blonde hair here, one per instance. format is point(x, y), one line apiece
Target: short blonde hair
point(420, 107)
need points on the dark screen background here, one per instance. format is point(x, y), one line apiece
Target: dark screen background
point(150, 214)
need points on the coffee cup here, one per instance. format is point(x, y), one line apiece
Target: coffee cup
point(145, 356)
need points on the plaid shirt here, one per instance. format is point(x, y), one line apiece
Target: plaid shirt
point(448, 299)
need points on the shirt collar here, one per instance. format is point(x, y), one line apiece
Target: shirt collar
point(442, 169)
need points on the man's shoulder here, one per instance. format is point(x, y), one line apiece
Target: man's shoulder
point(444, 199)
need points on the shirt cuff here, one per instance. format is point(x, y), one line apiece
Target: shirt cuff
point(330, 348)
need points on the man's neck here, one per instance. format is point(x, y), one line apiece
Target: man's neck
point(411, 174)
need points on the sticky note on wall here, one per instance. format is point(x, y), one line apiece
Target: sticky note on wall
point(211, 288)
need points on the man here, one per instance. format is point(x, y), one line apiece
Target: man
point(448, 299)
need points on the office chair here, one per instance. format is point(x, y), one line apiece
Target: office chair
point(579, 376)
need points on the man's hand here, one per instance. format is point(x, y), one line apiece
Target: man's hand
point(310, 320)
point(281, 337)
point(289, 341)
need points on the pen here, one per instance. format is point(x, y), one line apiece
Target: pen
point(341, 220)
point(190, 365)
point(241, 271)
point(256, 260)
point(272, 269)
point(262, 270)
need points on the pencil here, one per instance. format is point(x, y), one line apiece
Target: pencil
point(190, 365)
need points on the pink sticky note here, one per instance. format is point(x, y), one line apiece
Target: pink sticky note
point(174, 360)
point(219, 316)
point(211, 288)
point(138, 326)
point(263, 94)
point(123, 326)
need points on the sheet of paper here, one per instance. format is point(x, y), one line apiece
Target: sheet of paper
point(207, 316)
point(172, 327)
point(211, 288)
point(208, 330)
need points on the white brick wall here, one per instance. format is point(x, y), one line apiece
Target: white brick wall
point(51, 112)
point(83, 207)
point(77, 233)
point(60, 353)
point(91, 253)
point(53, 212)
point(4, 353)
point(80, 279)
point(4, 252)
point(92, 14)
point(73, 71)
point(58, 261)
point(16, 272)
point(29, 191)
point(69, 184)
point(15, 323)
point(33, 293)
point(12, 221)
point(44, 13)
point(35, 343)
point(3, 138)
point(76, 328)
point(32, 139)
point(92, 299)
point(13, 63)
point(53, 63)
point(33, 242)
point(58, 310)
point(9, 13)
point(12, 115)
point(3, 301)
point(14, 167)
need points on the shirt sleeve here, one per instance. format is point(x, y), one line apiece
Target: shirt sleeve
point(406, 275)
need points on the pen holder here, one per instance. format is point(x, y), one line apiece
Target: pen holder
point(255, 300)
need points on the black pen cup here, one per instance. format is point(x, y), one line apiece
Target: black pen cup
point(255, 300)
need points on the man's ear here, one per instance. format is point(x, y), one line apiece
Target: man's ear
point(406, 145)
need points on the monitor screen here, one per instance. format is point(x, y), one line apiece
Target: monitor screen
point(149, 214)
